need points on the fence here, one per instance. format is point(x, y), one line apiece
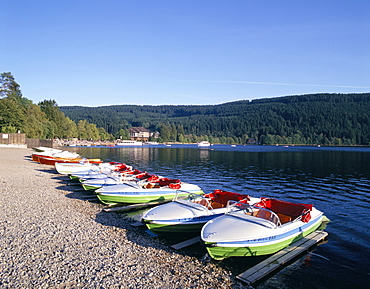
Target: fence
point(19, 139)
point(34, 142)
point(12, 138)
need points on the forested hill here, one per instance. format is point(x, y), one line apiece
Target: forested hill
point(337, 119)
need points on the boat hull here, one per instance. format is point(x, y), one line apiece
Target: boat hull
point(88, 187)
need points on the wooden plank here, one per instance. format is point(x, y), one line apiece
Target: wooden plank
point(280, 258)
point(186, 243)
point(129, 207)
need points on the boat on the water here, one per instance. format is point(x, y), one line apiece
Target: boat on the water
point(260, 229)
point(162, 189)
point(203, 143)
point(129, 143)
point(189, 214)
point(152, 143)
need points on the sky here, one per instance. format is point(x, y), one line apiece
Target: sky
point(184, 52)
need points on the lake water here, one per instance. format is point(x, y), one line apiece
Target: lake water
point(335, 179)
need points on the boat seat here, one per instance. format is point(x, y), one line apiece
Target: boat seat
point(151, 186)
point(267, 215)
point(203, 202)
point(284, 218)
point(217, 205)
point(263, 214)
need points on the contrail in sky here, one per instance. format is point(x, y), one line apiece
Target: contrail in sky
point(281, 83)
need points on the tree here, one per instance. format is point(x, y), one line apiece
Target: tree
point(68, 128)
point(82, 131)
point(123, 134)
point(8, 86)
point(11, 113)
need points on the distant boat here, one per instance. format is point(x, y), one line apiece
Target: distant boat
point(129, 143)
point(151, 143)
point(203, 143)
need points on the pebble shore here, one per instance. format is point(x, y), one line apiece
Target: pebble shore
point(50, 239)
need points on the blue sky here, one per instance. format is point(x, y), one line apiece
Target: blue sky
point(94, 53)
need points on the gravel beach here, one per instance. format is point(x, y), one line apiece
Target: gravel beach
point(51, 239)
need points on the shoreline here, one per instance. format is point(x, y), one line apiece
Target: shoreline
point(52, 237)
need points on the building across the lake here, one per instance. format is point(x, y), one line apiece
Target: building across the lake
point(140, 133)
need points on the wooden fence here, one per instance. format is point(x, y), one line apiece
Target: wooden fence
point(20, 139)
point(12, 138)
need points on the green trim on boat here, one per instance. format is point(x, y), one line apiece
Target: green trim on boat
point(180, 228)
point(73, 177)
point(90, 187)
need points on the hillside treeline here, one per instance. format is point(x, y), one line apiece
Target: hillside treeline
point(43, 120)
point(327, 119)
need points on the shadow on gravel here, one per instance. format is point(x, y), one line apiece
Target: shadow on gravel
point(143, 237)
point(77, 192)
point(50, 171)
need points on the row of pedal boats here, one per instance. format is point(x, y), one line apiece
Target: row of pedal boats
point(230, 224)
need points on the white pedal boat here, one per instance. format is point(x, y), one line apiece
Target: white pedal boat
point(189, 214)
point(262, 229)
point(163, 189)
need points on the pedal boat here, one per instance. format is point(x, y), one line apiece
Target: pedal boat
point(185, 215)
point(82, 166)
point(160, 190)
point(103, 170)
point(115, 178)
point(48, 160)
point(262, 229)
point(53, 153)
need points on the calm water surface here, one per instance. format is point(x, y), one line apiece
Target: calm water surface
point(336, 180)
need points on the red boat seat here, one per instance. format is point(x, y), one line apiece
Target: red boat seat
point(293, 210)
point(217, 205)
point(284, 218)
point(222, 197)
